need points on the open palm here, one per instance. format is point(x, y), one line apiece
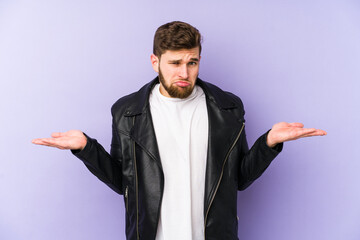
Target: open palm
point(283, 131)
point(73, 139)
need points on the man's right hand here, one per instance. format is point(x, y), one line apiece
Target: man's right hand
point(73, 139)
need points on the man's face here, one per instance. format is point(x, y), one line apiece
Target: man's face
point(178, 71)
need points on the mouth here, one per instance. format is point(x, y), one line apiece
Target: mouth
point(182, 83)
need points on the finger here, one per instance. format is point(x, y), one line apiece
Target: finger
point(37, 141)
point(51, 145)
point(49, 142)
point(317, 132)
point(301, 132)
point(42, 141)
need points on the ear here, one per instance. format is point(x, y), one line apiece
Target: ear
point(155, 61)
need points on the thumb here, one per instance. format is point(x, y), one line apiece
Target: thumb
point(57, 134)
point(296, 124)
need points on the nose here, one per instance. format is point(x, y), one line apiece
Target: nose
point(183, 71)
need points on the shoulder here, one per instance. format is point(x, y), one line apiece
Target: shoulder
point(122, 103)
point(237, 100)
point(134, 103)
point(224, 99)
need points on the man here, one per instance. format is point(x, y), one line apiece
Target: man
point(179, 151)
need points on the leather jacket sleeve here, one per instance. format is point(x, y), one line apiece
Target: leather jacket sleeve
point(255, 160)
point(105, 166)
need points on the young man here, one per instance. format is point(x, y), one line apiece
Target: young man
point(179, 152)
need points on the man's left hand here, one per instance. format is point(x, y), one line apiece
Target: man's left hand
point(283, 131)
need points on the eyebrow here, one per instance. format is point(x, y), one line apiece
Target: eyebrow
point(180, 60)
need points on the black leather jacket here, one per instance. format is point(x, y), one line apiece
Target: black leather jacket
point(133, 167)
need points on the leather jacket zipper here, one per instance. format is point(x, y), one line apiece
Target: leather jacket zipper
point(127, 198)
point(221, 175)
point(136, 191)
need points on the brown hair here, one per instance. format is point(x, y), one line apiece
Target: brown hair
point(175, 36)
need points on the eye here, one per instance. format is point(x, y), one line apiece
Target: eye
point(192, 63)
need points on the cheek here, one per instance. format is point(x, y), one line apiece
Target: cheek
point(194, 72)
point(164, 69)
point(169, 73)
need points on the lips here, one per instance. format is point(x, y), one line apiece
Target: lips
point(182, 83)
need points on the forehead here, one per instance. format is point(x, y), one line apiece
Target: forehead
point(181, 54)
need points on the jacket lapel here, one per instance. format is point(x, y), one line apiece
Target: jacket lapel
point(143, 132)
point(224, 127)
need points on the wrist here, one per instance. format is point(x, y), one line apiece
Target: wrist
point(83, 142)
point(270, 141)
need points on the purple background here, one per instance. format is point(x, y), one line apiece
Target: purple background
point(63, 64)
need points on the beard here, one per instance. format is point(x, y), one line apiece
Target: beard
point(175, 91)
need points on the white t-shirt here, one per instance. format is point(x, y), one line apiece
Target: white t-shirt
point(181, 128)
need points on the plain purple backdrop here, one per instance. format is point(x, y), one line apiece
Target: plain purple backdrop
point(63, 64)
